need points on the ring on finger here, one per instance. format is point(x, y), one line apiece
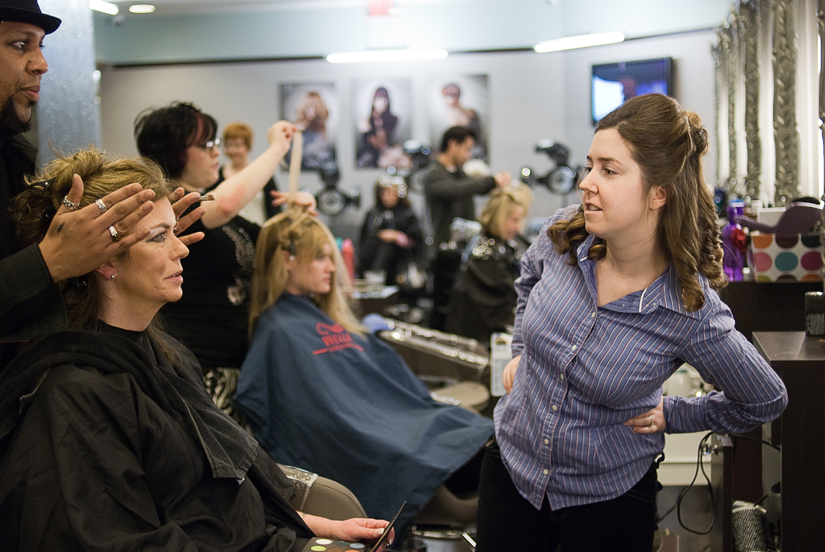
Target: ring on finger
point(649, 421)
point(70, 205)
point(101, 205)
point(113, 232)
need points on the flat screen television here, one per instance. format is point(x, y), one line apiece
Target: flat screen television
point(614, 83)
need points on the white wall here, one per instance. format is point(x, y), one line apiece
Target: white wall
point(532, 96)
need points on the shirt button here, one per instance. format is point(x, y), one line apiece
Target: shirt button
point(592, 315)
point(547, 441)
point(562, 376)
point(545, 472)
point(574, 347)
point(554, 407)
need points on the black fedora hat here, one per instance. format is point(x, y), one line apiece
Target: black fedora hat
point(27, 11)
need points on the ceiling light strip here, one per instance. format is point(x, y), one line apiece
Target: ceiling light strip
point(580, 41)
point(103, 7)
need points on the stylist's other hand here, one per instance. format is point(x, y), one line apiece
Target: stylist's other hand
point(181, 201)
point(652, 421)
point(352, 530)
point(303, 201)
point(510, 373)
point(280, 135)
point(78, 242)
point(502, 179)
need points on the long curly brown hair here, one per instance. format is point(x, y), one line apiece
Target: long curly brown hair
point(668, 143)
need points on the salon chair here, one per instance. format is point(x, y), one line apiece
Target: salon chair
point(455, 368)
point(322, 497)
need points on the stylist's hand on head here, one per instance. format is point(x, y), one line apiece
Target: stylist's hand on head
point(303, 200)
point(502, 179)
point(510, 373)
point(80, 240)
point(181, 201)
point(652, 421)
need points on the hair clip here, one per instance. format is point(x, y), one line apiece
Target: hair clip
point(79, 283)
point(43, 185)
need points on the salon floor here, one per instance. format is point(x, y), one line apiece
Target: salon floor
point(696, 513)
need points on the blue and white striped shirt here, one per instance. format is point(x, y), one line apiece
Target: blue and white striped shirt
point(587, 369)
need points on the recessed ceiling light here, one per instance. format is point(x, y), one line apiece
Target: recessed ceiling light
point(141, 8)
point(103, 7)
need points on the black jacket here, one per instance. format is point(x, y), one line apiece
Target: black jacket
point(30, 301)
point(106, 445)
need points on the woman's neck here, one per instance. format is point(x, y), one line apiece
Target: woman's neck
point(628, 269)
point(126, 317)
point(231, 170)
point(187, 186)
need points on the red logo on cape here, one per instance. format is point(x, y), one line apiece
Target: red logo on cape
point(335, 338)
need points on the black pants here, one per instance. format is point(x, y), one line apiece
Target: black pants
point(506, 521)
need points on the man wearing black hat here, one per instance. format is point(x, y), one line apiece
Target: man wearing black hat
point(78, 240)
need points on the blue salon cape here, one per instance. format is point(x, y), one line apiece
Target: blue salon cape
point(348, 408)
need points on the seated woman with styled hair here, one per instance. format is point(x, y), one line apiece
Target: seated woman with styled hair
point(322, 393)
point(483, 298)
point(108, 439)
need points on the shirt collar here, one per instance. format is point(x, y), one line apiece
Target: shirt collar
point(665, 291)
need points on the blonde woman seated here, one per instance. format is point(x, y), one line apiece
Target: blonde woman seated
point(322, 393)
point(484, 297)
point(108, 439)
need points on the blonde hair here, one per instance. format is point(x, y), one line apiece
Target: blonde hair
point(319, 122)
point(304, 237)
point(36, 206)
point(500, 205)
point(667, 142)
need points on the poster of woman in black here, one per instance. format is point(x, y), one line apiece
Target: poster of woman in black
point(383, 122)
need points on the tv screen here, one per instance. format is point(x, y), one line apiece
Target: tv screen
point(614, 83)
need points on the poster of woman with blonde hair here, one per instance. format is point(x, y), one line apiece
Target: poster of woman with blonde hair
point(308, 106)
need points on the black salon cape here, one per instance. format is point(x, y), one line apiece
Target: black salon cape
point(95, 463)
point(349, 409)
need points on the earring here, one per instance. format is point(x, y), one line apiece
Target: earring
point(112, 276)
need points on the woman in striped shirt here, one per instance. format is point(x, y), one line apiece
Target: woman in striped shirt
point(614, 296)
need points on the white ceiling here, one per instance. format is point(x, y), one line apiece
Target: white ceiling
point(211, 6)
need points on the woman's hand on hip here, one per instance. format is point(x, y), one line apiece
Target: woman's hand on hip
point(652, 421)
point(510, 373)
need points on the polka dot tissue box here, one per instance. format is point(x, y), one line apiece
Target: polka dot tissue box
point(785, 258)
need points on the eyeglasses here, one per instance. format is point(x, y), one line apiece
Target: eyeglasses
point(210, 145)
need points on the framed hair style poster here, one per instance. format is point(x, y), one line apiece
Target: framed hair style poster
point(459, 101)
point(312, 108)
point(383, 115)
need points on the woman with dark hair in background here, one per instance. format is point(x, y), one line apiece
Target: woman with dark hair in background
point(211, 319)
point(483, 297)
point(380, 130)
point(108, 438)
point(614, 296)
point(237, 144)
point(391, 235)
